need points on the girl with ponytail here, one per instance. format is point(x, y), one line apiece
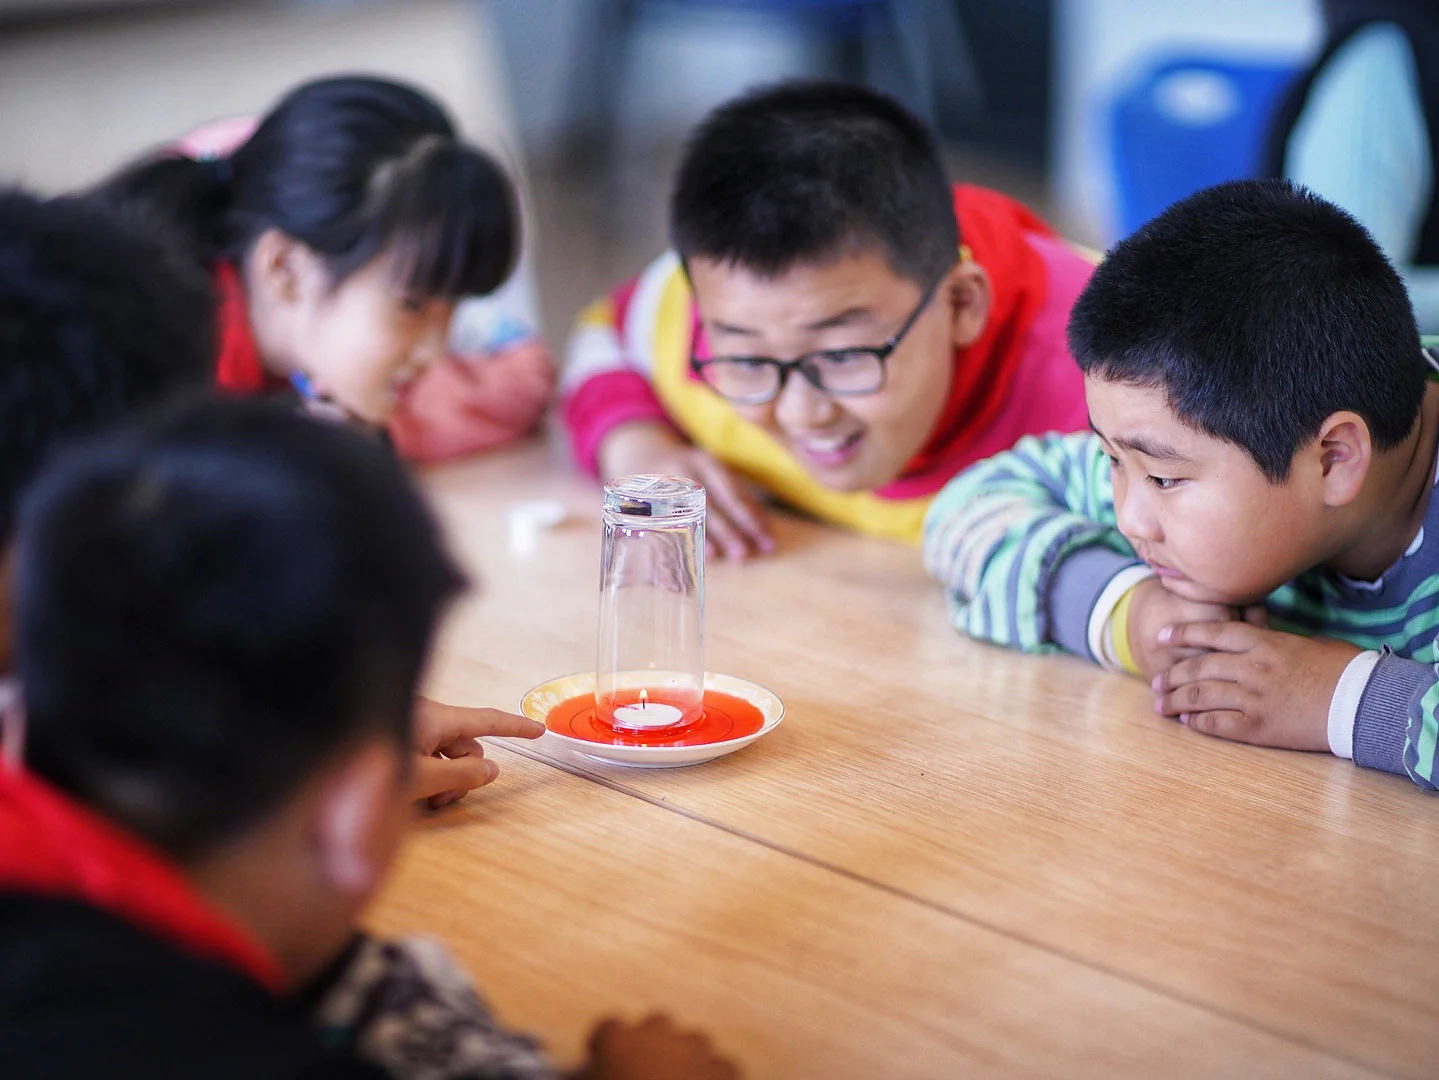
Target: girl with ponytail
point(340, 232)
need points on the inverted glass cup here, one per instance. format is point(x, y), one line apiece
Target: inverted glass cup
point(649, 673)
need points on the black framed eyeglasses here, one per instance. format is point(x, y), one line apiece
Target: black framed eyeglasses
point(757, 380)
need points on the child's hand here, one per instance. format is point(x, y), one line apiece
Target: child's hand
point(451, 761)
point(1253, 685)
point(1154, 608)
point(735, 524)
point(652, 1050)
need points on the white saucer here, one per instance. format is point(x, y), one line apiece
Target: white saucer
point(537, 703)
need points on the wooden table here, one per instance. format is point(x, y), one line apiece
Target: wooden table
point(948, 861)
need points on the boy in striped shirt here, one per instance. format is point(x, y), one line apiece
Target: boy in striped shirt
point(1249, 525)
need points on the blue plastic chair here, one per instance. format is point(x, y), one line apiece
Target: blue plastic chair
point(1186, 123)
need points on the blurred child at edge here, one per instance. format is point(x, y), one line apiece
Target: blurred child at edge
point(211, 774)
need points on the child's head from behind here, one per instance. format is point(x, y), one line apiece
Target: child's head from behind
point(358, 218)
point(97, 319)
point(817, 216)
point(222, 615)
point(1250, 359)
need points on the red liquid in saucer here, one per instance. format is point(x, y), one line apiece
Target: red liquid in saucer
point(724, 717)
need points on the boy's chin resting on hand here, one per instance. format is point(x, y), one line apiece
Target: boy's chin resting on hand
point(1152, 609)
point(1252, 684)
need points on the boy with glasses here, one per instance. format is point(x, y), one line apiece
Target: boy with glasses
point(836, 323)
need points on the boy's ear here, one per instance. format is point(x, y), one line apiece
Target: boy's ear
point(354, 827)
point(1345, 454)
point(285, 268)
point(968, 292)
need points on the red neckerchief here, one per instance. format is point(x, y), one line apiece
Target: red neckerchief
point(52, 846)
point(993, 227)
point(238, 369)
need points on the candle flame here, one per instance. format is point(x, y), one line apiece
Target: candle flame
point(644, 699)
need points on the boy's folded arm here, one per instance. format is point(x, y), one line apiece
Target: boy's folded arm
point(1025, 545)
point(604, 386)
point(1395, 720)
point(1085, 588)
point(603, 405)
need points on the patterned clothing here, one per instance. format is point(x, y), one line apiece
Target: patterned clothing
point(1027, 548)
point(406, 1006)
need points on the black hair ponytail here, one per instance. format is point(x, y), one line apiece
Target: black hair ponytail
point(179, 196)
point(352, 167)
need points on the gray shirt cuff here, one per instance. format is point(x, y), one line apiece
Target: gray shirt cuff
point(1382, 722)
point(1073, 590)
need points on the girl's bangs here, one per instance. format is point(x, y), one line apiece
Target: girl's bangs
point(451, 224)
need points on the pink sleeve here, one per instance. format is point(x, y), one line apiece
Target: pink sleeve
point(604, 386)
point(463, 405)
point(602, 403)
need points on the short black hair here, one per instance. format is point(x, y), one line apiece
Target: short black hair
point(97, 319)
point(209, 604)
point(802, 171)
point(352, 166)
point(1260, 310)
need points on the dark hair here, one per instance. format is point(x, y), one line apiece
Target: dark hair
point(1260, 310)
point(96, 319)
point(351, 167)
point(212, 602)
point(800, 171)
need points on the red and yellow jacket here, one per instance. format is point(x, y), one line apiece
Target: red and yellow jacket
point(629, 360)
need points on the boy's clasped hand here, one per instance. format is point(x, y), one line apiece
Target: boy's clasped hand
point(1224, 672)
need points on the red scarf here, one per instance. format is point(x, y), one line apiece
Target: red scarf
point(52, 846)
point(238, 369)
point(993, 227)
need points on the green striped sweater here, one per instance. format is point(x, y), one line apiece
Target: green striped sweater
point(1025, 544)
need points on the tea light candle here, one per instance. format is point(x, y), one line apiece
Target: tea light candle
point(645, 715)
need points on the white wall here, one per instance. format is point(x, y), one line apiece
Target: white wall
point(80, 97)
point(1098, 43)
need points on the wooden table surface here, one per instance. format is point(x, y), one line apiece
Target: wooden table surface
point(948, 861)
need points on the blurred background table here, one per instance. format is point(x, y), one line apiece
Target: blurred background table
point(949, 860)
